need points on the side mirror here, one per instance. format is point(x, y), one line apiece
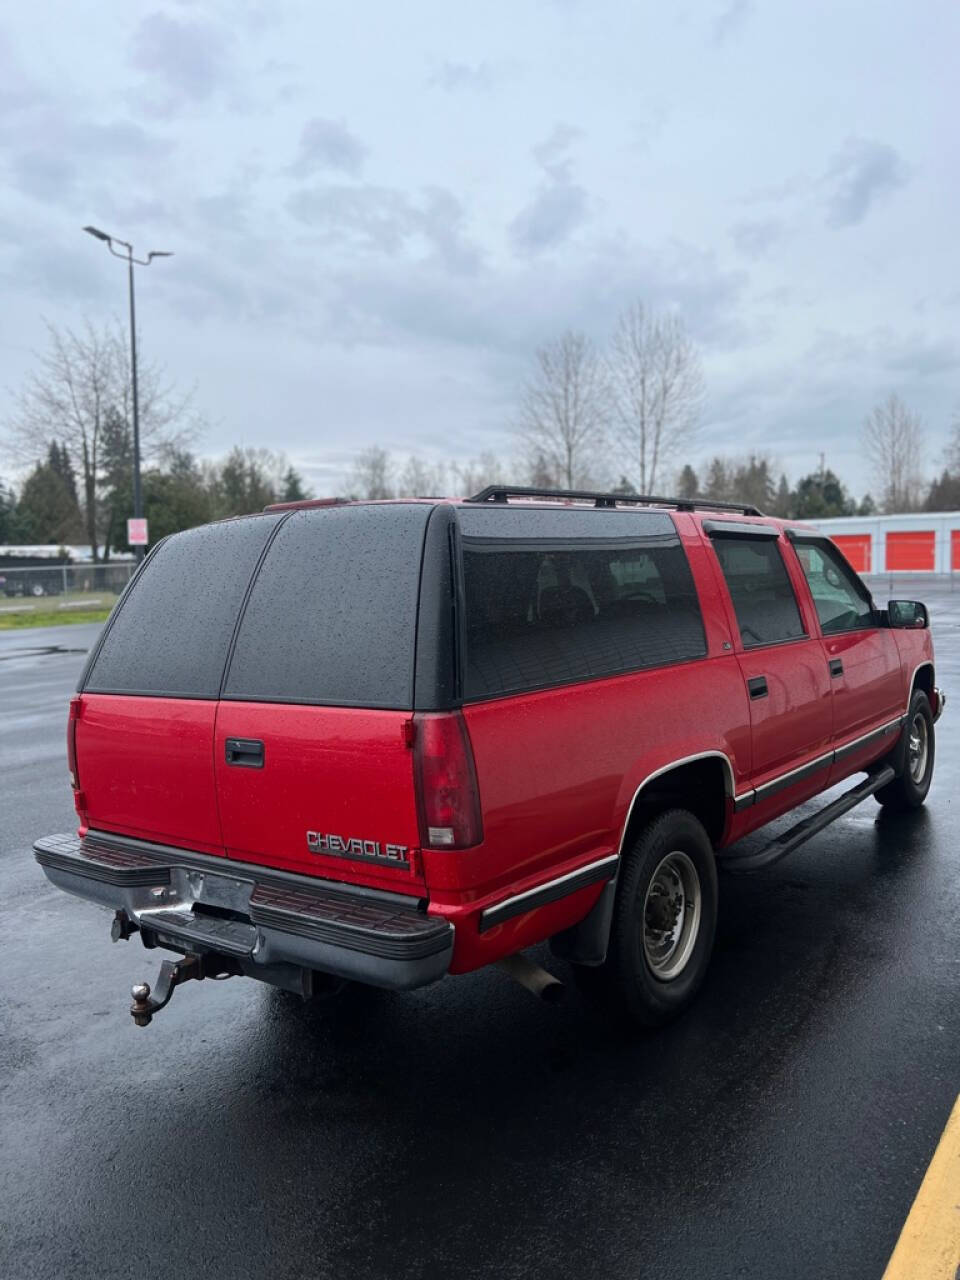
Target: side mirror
point(909, 615)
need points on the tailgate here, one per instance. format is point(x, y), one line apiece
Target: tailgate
point(146, 768)
point(330, 793)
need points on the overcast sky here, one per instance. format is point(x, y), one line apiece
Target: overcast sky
point(379, 210)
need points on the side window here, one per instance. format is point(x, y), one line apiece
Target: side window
point(842, 601)
point(763, 598)
point(546, 614)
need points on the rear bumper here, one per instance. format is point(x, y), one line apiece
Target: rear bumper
point(939, 702)
point(273, 923)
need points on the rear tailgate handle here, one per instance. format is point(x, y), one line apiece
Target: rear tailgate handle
point(758, 687)
point(836, 667)
point(247, 752)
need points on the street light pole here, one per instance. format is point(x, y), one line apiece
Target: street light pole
point(140, 262)
point(137, 491)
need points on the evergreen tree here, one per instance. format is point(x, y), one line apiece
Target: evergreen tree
point(293, 490)
point(59, 460)
point(688, 483)
point(623, 487)
point(783, 502)
point(820, 495)
point(8, 507)
point(46, 511)
point(944, 493)
point(717, 483)
point(116, 482)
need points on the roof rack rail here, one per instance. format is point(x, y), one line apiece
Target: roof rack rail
point(503, 492)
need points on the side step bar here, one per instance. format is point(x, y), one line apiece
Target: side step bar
point(802, 832)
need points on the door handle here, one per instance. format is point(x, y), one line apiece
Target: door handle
point(757, 686)
point(246, 752)
point(836, 667)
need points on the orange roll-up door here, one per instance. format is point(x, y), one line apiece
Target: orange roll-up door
point(915, 550)
point(856, 547)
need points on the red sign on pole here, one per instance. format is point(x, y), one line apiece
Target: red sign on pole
point(137, 533)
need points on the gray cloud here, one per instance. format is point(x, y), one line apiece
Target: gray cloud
point(861, 173)
point(553, 149)
point(384, 220)
point(62, 156)
point(559, 206)
point(455, 76)
point(755, 238)
point(730, 20)
point(188, 56)
point(328, 144)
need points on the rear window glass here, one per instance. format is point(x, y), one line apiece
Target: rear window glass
point(762, 596)
point(171, 634)
point(332, 615)
point(548, 613)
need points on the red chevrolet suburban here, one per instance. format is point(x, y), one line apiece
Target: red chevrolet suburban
point(388, 741)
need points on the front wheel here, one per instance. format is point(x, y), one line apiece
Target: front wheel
point(664, 922)
point(909, 789)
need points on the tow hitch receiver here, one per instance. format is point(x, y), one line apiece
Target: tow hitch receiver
point(173, 973)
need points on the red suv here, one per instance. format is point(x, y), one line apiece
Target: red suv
point(391, 741)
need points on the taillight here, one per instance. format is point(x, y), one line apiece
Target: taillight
point(447, 794)
point(75, 705)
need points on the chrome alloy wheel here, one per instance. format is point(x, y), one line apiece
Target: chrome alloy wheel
point(918, 747)
point(671, 916)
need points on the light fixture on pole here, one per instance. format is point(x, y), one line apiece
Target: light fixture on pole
point(127, 255)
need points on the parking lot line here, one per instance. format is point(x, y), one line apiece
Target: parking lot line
point(929, 1244)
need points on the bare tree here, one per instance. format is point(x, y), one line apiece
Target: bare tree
point(420, 479)
point(563, 409)
point(656, 386)
point(893, 439)
point(81, 380)
point(952, 452)
point(372, 475)
point(478, 473)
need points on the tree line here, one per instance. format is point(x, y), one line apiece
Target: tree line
point(73, 423)
point(622, 418)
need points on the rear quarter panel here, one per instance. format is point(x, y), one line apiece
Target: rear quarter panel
point(558, 769)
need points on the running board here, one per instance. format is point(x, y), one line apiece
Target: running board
point(802, 832)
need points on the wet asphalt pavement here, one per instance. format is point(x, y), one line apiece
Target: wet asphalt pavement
point(780, 1129)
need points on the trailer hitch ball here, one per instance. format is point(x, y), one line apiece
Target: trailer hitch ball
point(141, 1007)
point(173, 974)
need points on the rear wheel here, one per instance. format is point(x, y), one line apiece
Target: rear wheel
point(909, 789)
point(664, 923)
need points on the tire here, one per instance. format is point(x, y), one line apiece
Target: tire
point(909, 789)
point(652, 974)
point(36, 590)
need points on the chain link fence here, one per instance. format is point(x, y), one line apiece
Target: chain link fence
point(63, 587)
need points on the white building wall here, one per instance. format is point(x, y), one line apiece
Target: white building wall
point(943, 524)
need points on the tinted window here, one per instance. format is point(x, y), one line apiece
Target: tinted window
point(172, 631)
point(842, 601)
point(332, 615)
point(542, 613)
point(762, 596)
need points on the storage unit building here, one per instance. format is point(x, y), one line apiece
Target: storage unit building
point(923, 542)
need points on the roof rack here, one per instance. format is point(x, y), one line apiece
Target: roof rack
point(502, 493)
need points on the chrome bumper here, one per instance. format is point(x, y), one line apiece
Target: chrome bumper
point(939, 702)
point(272, 923)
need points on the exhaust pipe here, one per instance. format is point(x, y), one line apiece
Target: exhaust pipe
point(533, 977)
